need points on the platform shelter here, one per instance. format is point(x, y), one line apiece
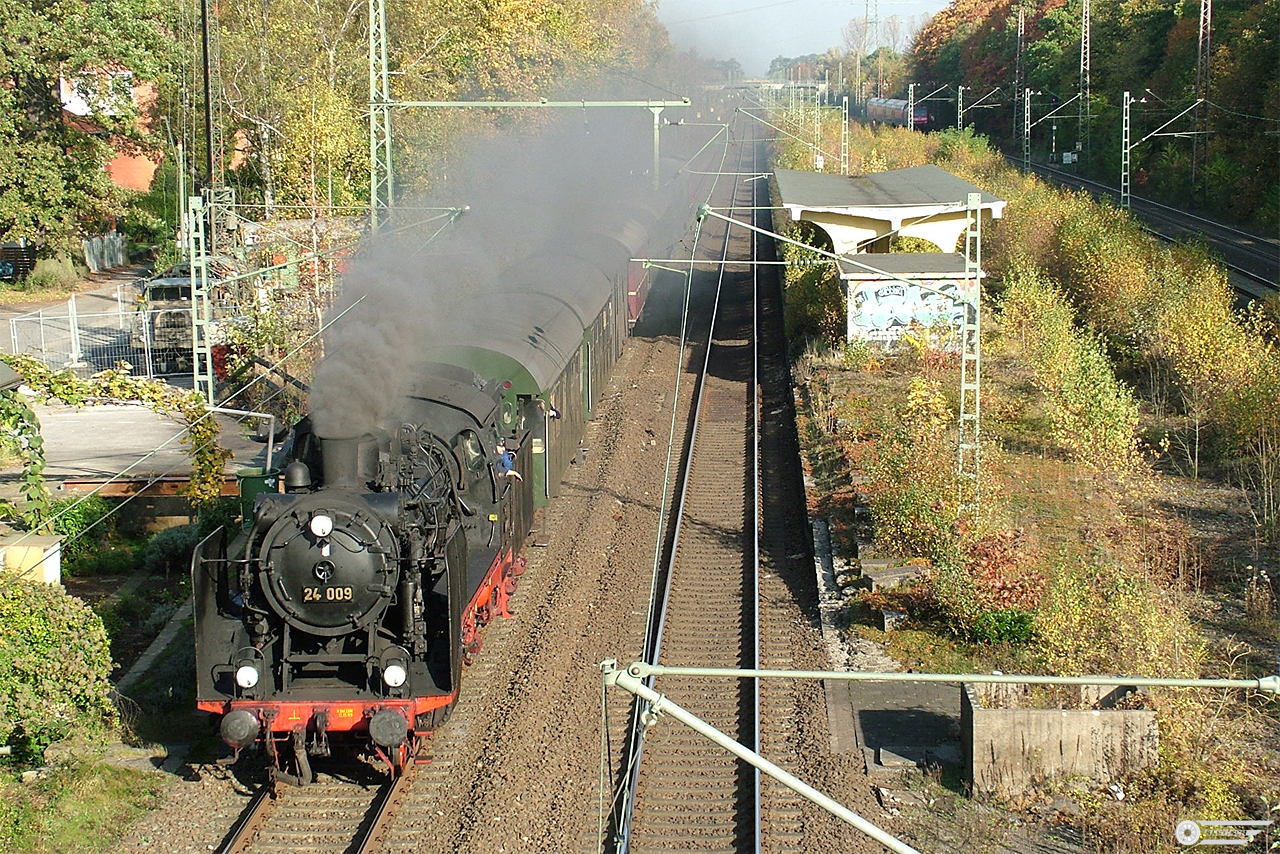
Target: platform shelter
point(861, 213)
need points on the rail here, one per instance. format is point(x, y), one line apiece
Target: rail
point(370, 832)
point(661, 608)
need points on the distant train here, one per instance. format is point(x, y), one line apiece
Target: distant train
point(894, 111)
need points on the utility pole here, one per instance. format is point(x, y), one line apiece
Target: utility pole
point(911, 106)
point(201, 314)
point(844, 135)
point(969, 452)
point(1082, 139)
point(208, 94)
point(960, 107)
point(1124, 152)
point(873, 38)
point(1019, 78)
point(1026, 129)
point(381, 187)
point(1203, 66)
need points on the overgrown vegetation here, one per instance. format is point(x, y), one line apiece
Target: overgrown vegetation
point(117, 384)
point(1118, 381)
point(75, 810)
point(54, 663)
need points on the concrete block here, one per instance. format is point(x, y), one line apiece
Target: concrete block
point(892, 759)
point(886, 577)
point(33, 557)
point(889, 619)
point(1010, 750)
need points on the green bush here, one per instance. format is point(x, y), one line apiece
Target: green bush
point(170, 550)
point(224, 513)
point(53, 274)
point(1010, 625)
point(85, 524)
point(1095, 415)
point(914, 488)
point(112, 560)
point(54, 664)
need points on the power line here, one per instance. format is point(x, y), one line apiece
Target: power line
point(25, 535)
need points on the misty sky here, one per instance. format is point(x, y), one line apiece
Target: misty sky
point(755, 31)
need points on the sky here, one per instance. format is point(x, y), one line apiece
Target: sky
point(755, 31)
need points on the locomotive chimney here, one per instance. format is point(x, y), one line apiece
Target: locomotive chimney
point(341, 461)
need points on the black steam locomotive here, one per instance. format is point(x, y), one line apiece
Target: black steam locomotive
point(348, 607)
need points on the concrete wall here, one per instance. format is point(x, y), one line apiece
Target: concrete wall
point(33, 557)
point(1010, 750)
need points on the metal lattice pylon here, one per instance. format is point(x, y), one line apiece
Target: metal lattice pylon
point(201, 313)
point(1018, 71)
point(221, 201)
point(1204, 65)
point(969, 452)
point(1124, 152)
point(844, 136)
point(380, 183)
point(1086, 27)
point(1026, 129)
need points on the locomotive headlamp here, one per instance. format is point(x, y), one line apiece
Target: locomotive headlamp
point(321, 525)
point(394, 674)
point(249, 663)
point(247, 676)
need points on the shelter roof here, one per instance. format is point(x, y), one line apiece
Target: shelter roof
point(917, 191)
point(905, 265)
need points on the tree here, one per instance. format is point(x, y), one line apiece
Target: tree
point(299, 100)
point(52, 167)
point(892, 32)
point(855, 35)
point(731, 68)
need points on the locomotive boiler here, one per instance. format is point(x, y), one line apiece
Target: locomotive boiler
point(360, 589)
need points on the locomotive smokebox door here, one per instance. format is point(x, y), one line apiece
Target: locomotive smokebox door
point(328, 567)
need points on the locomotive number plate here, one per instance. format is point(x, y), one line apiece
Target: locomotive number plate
point(327, 594)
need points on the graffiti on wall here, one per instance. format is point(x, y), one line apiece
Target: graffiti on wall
point(880, 312)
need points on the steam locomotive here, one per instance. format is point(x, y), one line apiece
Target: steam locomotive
point(348, 607)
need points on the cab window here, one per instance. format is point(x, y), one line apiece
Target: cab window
point(468, 444)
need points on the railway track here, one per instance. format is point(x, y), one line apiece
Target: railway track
point(339, 813)
point(688, 794)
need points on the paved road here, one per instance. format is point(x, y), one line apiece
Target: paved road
point(109, 291)
point(100, 441)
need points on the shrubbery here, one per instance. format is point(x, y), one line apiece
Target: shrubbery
point(913, 486)
point(1100, 583)
point(170, 550)
point(58, 274)
point(54, 664)
point(1095, 416)
point(85, 524)
point(1107, 619)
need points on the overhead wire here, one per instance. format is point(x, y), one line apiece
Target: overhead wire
point(637, 718)
point(177, 436)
